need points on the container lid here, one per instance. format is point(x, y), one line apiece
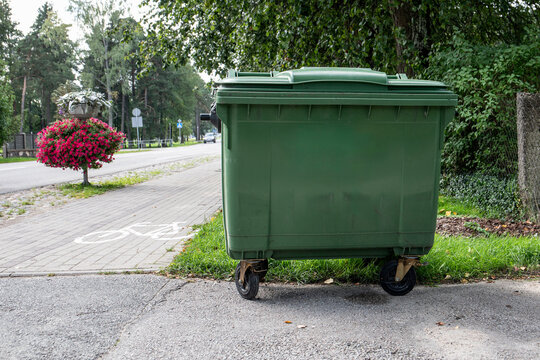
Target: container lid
point(319, 85)
point(328, 79)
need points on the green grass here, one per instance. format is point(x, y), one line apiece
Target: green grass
point(451, 259)
point(458, 207)
point(81, 191)
point(456, 258)
point(132, 151)
point(187, 143)
point(16, 159)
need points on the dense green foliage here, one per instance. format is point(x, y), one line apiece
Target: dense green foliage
point(265, 35)
point(164, 95)
point(45, 59)
point(7, 122)
point(41, 68)
point(451, 258)
point(483, 136)
point(485, 50)
point(495, 197)
point(8, 32)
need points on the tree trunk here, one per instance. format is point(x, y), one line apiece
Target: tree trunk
point(528, 123)
point(145, 97)
point(401, 16)
point(23, 97)
point(47, 101)
point(108, 78)
point(123, 112)
point(85, 177)
point(198, 121)
point(43, 124)
point(133, 82)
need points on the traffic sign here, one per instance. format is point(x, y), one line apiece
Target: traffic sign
point(136, 122)
point(136, 112)
point(179, 125)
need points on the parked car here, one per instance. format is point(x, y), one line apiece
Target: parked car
point(210, 137)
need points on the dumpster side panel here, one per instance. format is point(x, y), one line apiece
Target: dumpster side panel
point(246, 175)
point(326, 181)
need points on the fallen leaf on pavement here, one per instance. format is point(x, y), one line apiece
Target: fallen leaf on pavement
point(301, 326)
point(288, 322)
point(447, 277)
point(448, 213)
point(329, 281)
point(440, 323)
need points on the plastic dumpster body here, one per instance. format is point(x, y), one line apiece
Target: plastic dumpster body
point(330, 163)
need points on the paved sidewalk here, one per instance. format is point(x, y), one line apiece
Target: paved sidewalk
point(140, 227)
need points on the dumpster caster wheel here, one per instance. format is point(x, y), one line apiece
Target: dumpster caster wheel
point(389, 283)
point(248, 288)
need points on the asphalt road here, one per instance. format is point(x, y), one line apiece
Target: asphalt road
point(27, 175)
point(151, 317)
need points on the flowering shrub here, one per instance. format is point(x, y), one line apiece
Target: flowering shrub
point(78, 144)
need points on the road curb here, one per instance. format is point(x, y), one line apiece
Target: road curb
point(81, 272)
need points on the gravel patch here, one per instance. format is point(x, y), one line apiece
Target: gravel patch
point(470, 227)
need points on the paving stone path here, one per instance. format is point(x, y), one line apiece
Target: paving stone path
point(140, 227)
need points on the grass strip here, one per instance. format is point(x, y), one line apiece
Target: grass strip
point(16, 159)
point(449, 206)
point(187, 143)
point(132, 151)
point(452, 259)
point(85, 191)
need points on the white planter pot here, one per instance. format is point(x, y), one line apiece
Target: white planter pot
point(83, 111)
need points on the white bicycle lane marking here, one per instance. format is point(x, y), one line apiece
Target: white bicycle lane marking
point(160, 232)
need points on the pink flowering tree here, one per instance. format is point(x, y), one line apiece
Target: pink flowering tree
point(78, 144)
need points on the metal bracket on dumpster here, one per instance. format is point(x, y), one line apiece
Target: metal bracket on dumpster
point(256, 266)
point(404, 265)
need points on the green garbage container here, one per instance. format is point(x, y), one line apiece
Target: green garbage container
point(325, 163)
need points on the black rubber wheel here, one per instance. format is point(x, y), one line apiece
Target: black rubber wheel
point(249, 289)
point(389, 284)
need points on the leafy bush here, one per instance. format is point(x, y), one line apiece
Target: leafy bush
point(482, 137)
point(496, 197)
point(78, 144)
point(7, 121)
